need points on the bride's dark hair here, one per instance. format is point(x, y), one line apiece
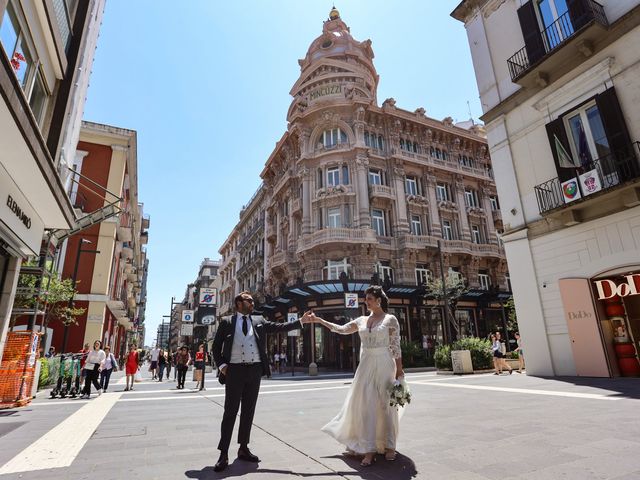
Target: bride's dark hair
point(378, 292)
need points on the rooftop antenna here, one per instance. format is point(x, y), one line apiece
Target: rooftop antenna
point(470, 116)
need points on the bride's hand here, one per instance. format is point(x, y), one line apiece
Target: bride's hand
point(308, 317)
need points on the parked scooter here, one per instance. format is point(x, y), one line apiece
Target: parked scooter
point(65, 370)
point(74, 380)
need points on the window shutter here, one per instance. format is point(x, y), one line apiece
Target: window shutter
point(533, 42)
point(614, 125)
point(579, 13)
point(556, 128)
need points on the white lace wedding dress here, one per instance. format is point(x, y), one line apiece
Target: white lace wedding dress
point(366, 423)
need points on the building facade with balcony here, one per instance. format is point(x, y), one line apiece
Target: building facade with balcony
point(112, 283)
point(563, 131)
point(46, 54)
point(356, 192)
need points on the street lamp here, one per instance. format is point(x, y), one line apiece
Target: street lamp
point(73, 282)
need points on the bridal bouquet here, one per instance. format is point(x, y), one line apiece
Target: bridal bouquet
point(399, 394)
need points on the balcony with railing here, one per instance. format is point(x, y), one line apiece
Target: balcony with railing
point(613, 171)
point(380, 191)
point(585, 20)
point(416, 241)
point(336, 235)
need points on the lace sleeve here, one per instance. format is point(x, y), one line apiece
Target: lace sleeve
point(346, 329)
point(394, 337)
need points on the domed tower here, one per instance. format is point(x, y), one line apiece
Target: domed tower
point(336, 67)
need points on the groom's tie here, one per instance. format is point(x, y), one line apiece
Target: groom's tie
point(245, 325)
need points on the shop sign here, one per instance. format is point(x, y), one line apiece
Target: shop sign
point(608, 288)
point(292, 317)
point(18, 215)
point(187, 316)
point(350, 300)
point(206, 315)
point(208, 296)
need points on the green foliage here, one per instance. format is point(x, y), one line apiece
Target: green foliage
point(53, 297)
point(413, 355)
point(442, 357)
point(455, 288)
point(481, 355)
point(43, 379)
point(512, 322)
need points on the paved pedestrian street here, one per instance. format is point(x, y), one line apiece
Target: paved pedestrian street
point(464, 428)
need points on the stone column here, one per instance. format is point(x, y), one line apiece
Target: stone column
point(491, 226)
point(434, 213)
point(362, 217)
point(465, 233)
point(401, 226)
point(305, 173)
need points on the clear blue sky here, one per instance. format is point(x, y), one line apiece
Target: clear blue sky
point(205, 83)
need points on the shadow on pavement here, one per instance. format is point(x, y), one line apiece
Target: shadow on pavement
point(402, 468)
point(626, 387)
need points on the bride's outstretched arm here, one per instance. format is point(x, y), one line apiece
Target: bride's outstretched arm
point(346, 329)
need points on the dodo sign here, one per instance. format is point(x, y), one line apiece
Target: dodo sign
point(609, 288)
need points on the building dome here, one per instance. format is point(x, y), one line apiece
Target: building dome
point(334, 14)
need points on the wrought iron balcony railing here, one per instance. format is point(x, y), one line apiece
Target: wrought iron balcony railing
point(613, 170)
point(583, 14)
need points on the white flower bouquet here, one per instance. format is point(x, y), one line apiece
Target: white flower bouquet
point(399, 394)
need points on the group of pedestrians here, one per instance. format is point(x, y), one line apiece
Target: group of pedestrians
point(97, 364)
point(499, 352)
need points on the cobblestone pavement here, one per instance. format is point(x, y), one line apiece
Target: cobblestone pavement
point(466, 428)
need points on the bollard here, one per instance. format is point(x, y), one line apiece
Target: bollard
point(313, 369)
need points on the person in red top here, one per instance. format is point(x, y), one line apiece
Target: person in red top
point(83, 359)
point(131, 366)
point(199, 366)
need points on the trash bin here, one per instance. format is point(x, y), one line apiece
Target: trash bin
point(461, 362)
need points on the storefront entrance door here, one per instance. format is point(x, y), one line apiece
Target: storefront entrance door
point(584, 333)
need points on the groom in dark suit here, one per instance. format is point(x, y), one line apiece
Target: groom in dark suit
point(239, 350)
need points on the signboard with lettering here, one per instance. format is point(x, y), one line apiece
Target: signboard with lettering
point(187, 316)
point(208, 296)
point(186, 330)
point(584, 332)
point(292, 317)
point(324, 91)
point(19, 217)
point(350, 300)
point(608, 288)
point(206, 315)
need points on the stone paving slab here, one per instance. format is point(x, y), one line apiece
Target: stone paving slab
point(446, 433)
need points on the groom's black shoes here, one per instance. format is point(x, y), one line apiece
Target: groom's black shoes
point(223, 462)
point(245, 454)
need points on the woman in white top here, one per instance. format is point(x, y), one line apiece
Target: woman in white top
point(367, 424)
point(91, 368)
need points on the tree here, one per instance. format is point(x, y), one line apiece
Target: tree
point(52, 298)
point(454, 288)
point(512, 322)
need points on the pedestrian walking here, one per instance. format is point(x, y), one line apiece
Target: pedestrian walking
point(169, 362)
point(520, 352)
point(109, 365)
point(283, 359)
point(91, 369)
point(175, 364)
point(153, 368)
point(131, 367)
point(85, 351)
point(183, 359)
point(498, 355)
point(199, 365)
point(276, 361)
point(162, 365)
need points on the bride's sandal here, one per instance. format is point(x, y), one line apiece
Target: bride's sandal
point(350, 453)
point(368, 460)
point(390, 455)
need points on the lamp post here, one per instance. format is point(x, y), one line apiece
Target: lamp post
point(73, 282)
point(170, 317)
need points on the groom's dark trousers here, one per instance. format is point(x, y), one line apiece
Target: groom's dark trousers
point(242, 385)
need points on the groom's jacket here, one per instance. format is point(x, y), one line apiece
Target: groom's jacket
point(223, 341)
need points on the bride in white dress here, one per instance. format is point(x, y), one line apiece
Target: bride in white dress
point(366, 424)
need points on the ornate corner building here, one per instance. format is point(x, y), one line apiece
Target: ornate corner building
point(356, 193)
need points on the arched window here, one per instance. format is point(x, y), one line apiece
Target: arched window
point(333, 137)
point(380, 142)
point(402, 147)
point(438, 154)
point(367, 140)
point(432, 151)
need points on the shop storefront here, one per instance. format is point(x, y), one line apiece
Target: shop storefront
point(603, 321)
